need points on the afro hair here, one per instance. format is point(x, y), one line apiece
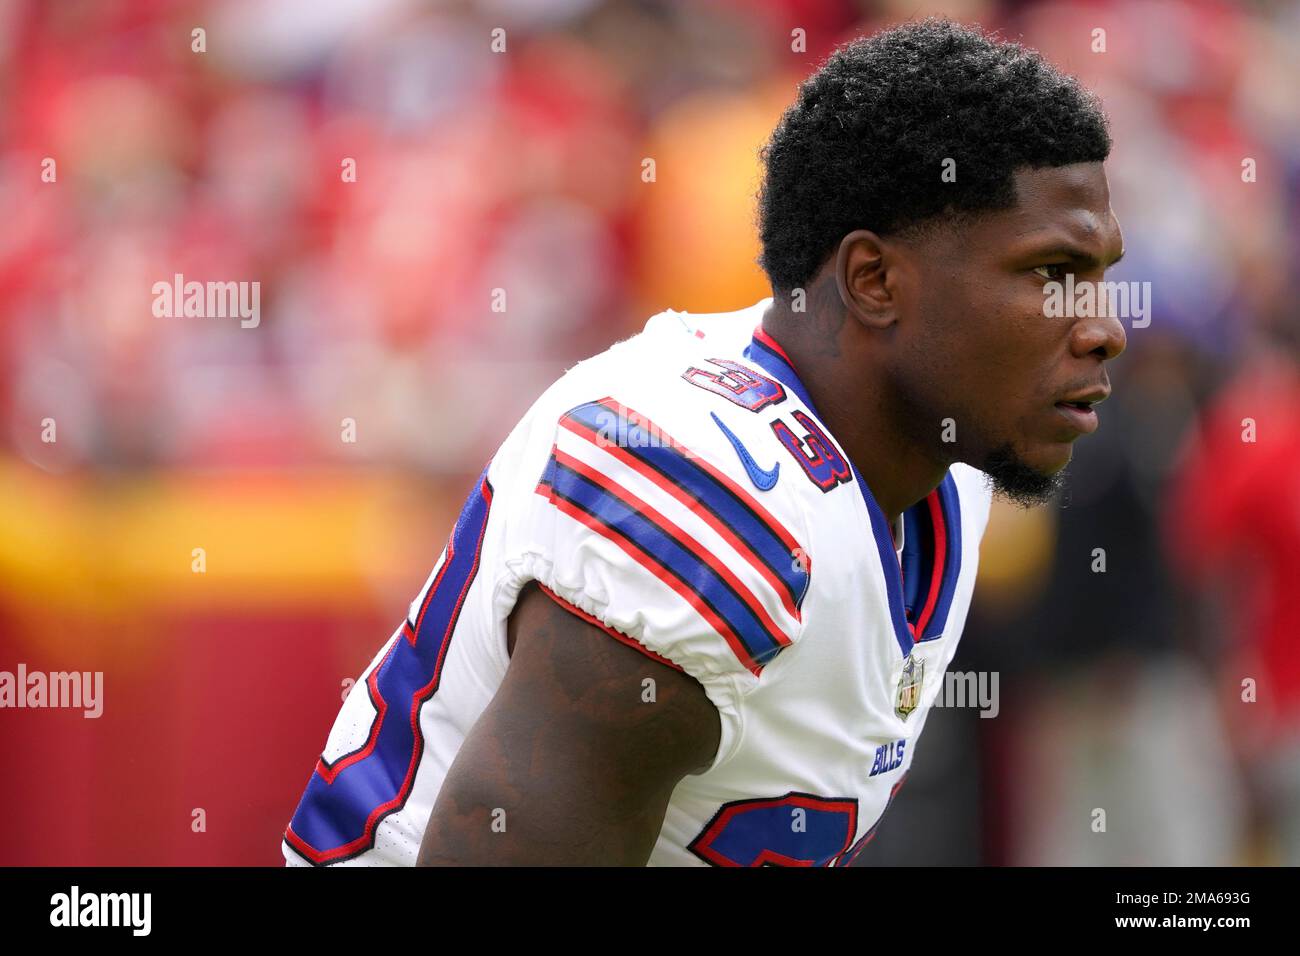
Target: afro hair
point(864, 145)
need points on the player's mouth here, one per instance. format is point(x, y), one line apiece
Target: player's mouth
point(1078, 409)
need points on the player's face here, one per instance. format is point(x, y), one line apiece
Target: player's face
point(985, 348)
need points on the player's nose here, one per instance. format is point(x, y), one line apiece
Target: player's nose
point(1103, 336)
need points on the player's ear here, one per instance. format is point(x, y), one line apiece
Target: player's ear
point(863, 267)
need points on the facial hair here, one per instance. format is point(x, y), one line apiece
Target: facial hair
point(1015, 481)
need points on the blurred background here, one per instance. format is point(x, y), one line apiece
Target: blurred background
point(379, 170)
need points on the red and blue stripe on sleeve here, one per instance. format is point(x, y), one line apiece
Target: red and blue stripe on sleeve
point(609, 491)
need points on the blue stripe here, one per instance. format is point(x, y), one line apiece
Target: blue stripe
point(888, 561)
point(331, 815)
point(918, 558)
point(772, 362)
point(950, 502)
point(917, 569)
point(699, 484)
point(682, 563)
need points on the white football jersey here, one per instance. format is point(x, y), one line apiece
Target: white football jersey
point(680, 491)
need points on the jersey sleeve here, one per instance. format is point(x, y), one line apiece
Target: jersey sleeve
point(653, 539)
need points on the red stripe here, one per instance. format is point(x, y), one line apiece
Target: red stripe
point(870, 835)
point(773, 344)
point(712, 520)
point(304, 849)
point(616, 634)
point(940, 555)
point(690, 501)
point(409, 630)
point(764, 515)
point(652, 565)
point(665, 524)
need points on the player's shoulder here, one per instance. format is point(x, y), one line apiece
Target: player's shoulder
point(670, 410)
point(645, 477)
point(665, 387)
point(654, 367)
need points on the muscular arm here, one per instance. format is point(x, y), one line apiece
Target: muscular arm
point(569, 765)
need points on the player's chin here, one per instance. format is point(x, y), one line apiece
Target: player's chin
point(1028, 474)
point(1049, 458)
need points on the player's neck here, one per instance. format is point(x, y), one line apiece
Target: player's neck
point(855, 409)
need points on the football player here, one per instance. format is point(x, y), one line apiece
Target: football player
point(696, 608)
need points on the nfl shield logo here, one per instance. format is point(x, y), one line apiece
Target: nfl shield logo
point(909, 686)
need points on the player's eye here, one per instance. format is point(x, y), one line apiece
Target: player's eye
point(1061, 267)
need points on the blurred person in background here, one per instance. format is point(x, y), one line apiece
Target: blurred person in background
point(1233, 525)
